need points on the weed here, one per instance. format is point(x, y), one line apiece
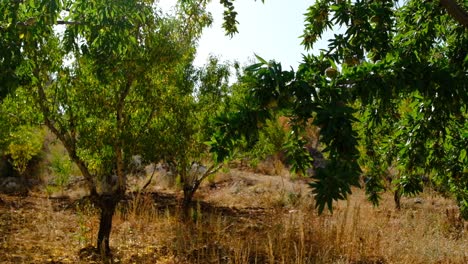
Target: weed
point(61, 167)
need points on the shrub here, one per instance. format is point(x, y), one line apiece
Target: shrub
point(24, 144)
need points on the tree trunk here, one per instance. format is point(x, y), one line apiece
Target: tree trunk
point(187, 202)
point(397, 198)
point(107, 203)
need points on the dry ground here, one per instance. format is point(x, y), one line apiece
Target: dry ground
point(241, 217)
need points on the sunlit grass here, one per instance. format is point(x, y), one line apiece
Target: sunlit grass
point(148, 229)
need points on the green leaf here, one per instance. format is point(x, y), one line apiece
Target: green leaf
point(261, 59)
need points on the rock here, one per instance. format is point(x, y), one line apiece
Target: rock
point(319, 161)
point(12, 185)
point(197, 169)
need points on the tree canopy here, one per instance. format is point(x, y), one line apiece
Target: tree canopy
point(404, 68)
point(99, 72)
point(389, 91)
point(109, 77)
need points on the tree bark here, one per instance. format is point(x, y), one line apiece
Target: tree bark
point(397, 198)
point(191, 187)
point(107, 204)
point(187, 202)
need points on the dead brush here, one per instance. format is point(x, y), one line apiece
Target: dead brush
point(355, 233)
point(148, 229)
point(454, 224)
point(139, 206)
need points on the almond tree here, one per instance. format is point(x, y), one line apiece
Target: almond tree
point(98, 83)
point(184, 126)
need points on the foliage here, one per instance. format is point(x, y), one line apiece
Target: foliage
point(184, 124)
point(20, 132)
point(12, 28)
point(61, 167)
point(297, 154)
point(406, 65)
point(290, 93)
point(100, 85)
point(230, 15)
point(389, 90)
point(271, 139)
point(24, 144)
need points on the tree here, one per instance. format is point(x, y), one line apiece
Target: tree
point(407, 67)
point(396, 68)
point(12, 28)
point(296, 97)
point(184, 125)
point(99, 86)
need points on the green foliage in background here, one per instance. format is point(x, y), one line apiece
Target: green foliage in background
point(99, 82)
point(271, 139)
point(24, 144)
point(184, 124)
point(21, 136)
point(61, 167)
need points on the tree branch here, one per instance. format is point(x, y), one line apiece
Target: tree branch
point(63, 22)
point(118, 146)
point(456, 11)
point(67, 140)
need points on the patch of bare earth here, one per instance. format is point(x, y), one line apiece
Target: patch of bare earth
point(240, 217)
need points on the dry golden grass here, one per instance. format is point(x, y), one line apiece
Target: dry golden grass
point(241, 219)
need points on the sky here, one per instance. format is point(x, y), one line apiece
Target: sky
point(270, 30)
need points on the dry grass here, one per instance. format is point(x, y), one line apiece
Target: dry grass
point(241, 219)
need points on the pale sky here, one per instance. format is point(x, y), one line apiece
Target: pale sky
point(270, 30)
